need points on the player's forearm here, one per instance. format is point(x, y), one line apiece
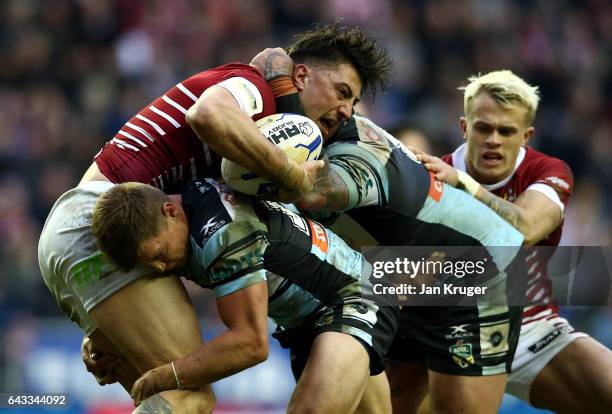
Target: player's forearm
point(225, 355)
point(233, 135)
point(513, 214)
point(329, 193)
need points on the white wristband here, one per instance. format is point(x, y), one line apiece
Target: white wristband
point(467, 183)
point(178, 383)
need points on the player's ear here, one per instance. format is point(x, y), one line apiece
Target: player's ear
point(169, 210)
point(300, 72)
point(463, 126)
point(528, 134)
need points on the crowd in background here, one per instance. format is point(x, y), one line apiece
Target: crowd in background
point(73, 71)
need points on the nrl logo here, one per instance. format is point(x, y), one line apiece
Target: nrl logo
point(462, 354)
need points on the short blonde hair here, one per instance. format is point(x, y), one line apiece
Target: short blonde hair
point(505, 87)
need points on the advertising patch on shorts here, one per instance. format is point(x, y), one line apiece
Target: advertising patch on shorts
point(551, 336)
point(462, 353)
point(494, 339)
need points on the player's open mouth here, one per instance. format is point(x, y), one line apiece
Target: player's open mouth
point(492, 158)
point(327, 125)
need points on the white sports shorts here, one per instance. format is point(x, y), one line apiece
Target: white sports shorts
point(78, 275)
point(539, 342)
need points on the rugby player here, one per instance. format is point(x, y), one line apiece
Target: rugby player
point(181, 135)
point(262, 260)
point(554, 367)
point(388, 198)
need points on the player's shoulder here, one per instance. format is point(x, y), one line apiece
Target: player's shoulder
point(218, 74)
point(447, 158)
point(212, 207)
point(361, 136)
point(538, 165)
point(230, 69)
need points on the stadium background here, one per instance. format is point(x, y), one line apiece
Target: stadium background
point(73, 71)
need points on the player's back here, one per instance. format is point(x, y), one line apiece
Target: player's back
point(157, 147)
point(234, 238)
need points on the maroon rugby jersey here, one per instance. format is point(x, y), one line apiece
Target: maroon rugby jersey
point(532, 170)
point(157, 147)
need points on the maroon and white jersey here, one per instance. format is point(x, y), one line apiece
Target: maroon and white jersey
point(157, 147)
point(553, 178)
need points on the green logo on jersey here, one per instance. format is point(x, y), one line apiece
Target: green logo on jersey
point(88, 270)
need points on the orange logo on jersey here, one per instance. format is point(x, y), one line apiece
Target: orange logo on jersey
point(435, 188)
point(318, 236)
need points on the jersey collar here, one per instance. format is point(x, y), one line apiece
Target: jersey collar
point(459, 163)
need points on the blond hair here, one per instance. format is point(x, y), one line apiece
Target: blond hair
point(506, 88)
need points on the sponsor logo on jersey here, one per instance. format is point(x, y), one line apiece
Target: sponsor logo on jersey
point(436, 188)
point(211, 227)
point(202, 186)
point(543, 343)
point(462, 354)
point(318, 236)
point(559, 182)
point(459, 331)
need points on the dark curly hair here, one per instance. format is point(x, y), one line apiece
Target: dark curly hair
point(334, 43)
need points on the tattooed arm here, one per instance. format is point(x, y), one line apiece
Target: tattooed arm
point(533, 214)
point(272, 63)
point(330, 193)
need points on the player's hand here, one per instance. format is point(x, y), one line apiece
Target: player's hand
point(311, 171)
point(152, 382)
point(441, 170)
point(273, 62)
point(102, 366)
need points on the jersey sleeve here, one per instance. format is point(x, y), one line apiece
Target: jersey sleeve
point(362, 172)
point(232, 259)
point(552, 173)
point(247, 86)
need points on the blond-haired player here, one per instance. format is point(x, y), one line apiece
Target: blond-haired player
point(554, 367)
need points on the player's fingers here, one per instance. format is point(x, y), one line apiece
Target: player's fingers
point(110, 378)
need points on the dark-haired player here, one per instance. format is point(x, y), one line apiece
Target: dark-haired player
point(181, 135)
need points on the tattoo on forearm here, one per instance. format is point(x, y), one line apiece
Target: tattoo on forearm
point(506, 210)
point(274, 69)
point(332, 189)
point(155, 404)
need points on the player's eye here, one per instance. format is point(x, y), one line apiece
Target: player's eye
point(483, 128)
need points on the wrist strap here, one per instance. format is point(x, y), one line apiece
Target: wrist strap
point(178, 383)
point(467, 183)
